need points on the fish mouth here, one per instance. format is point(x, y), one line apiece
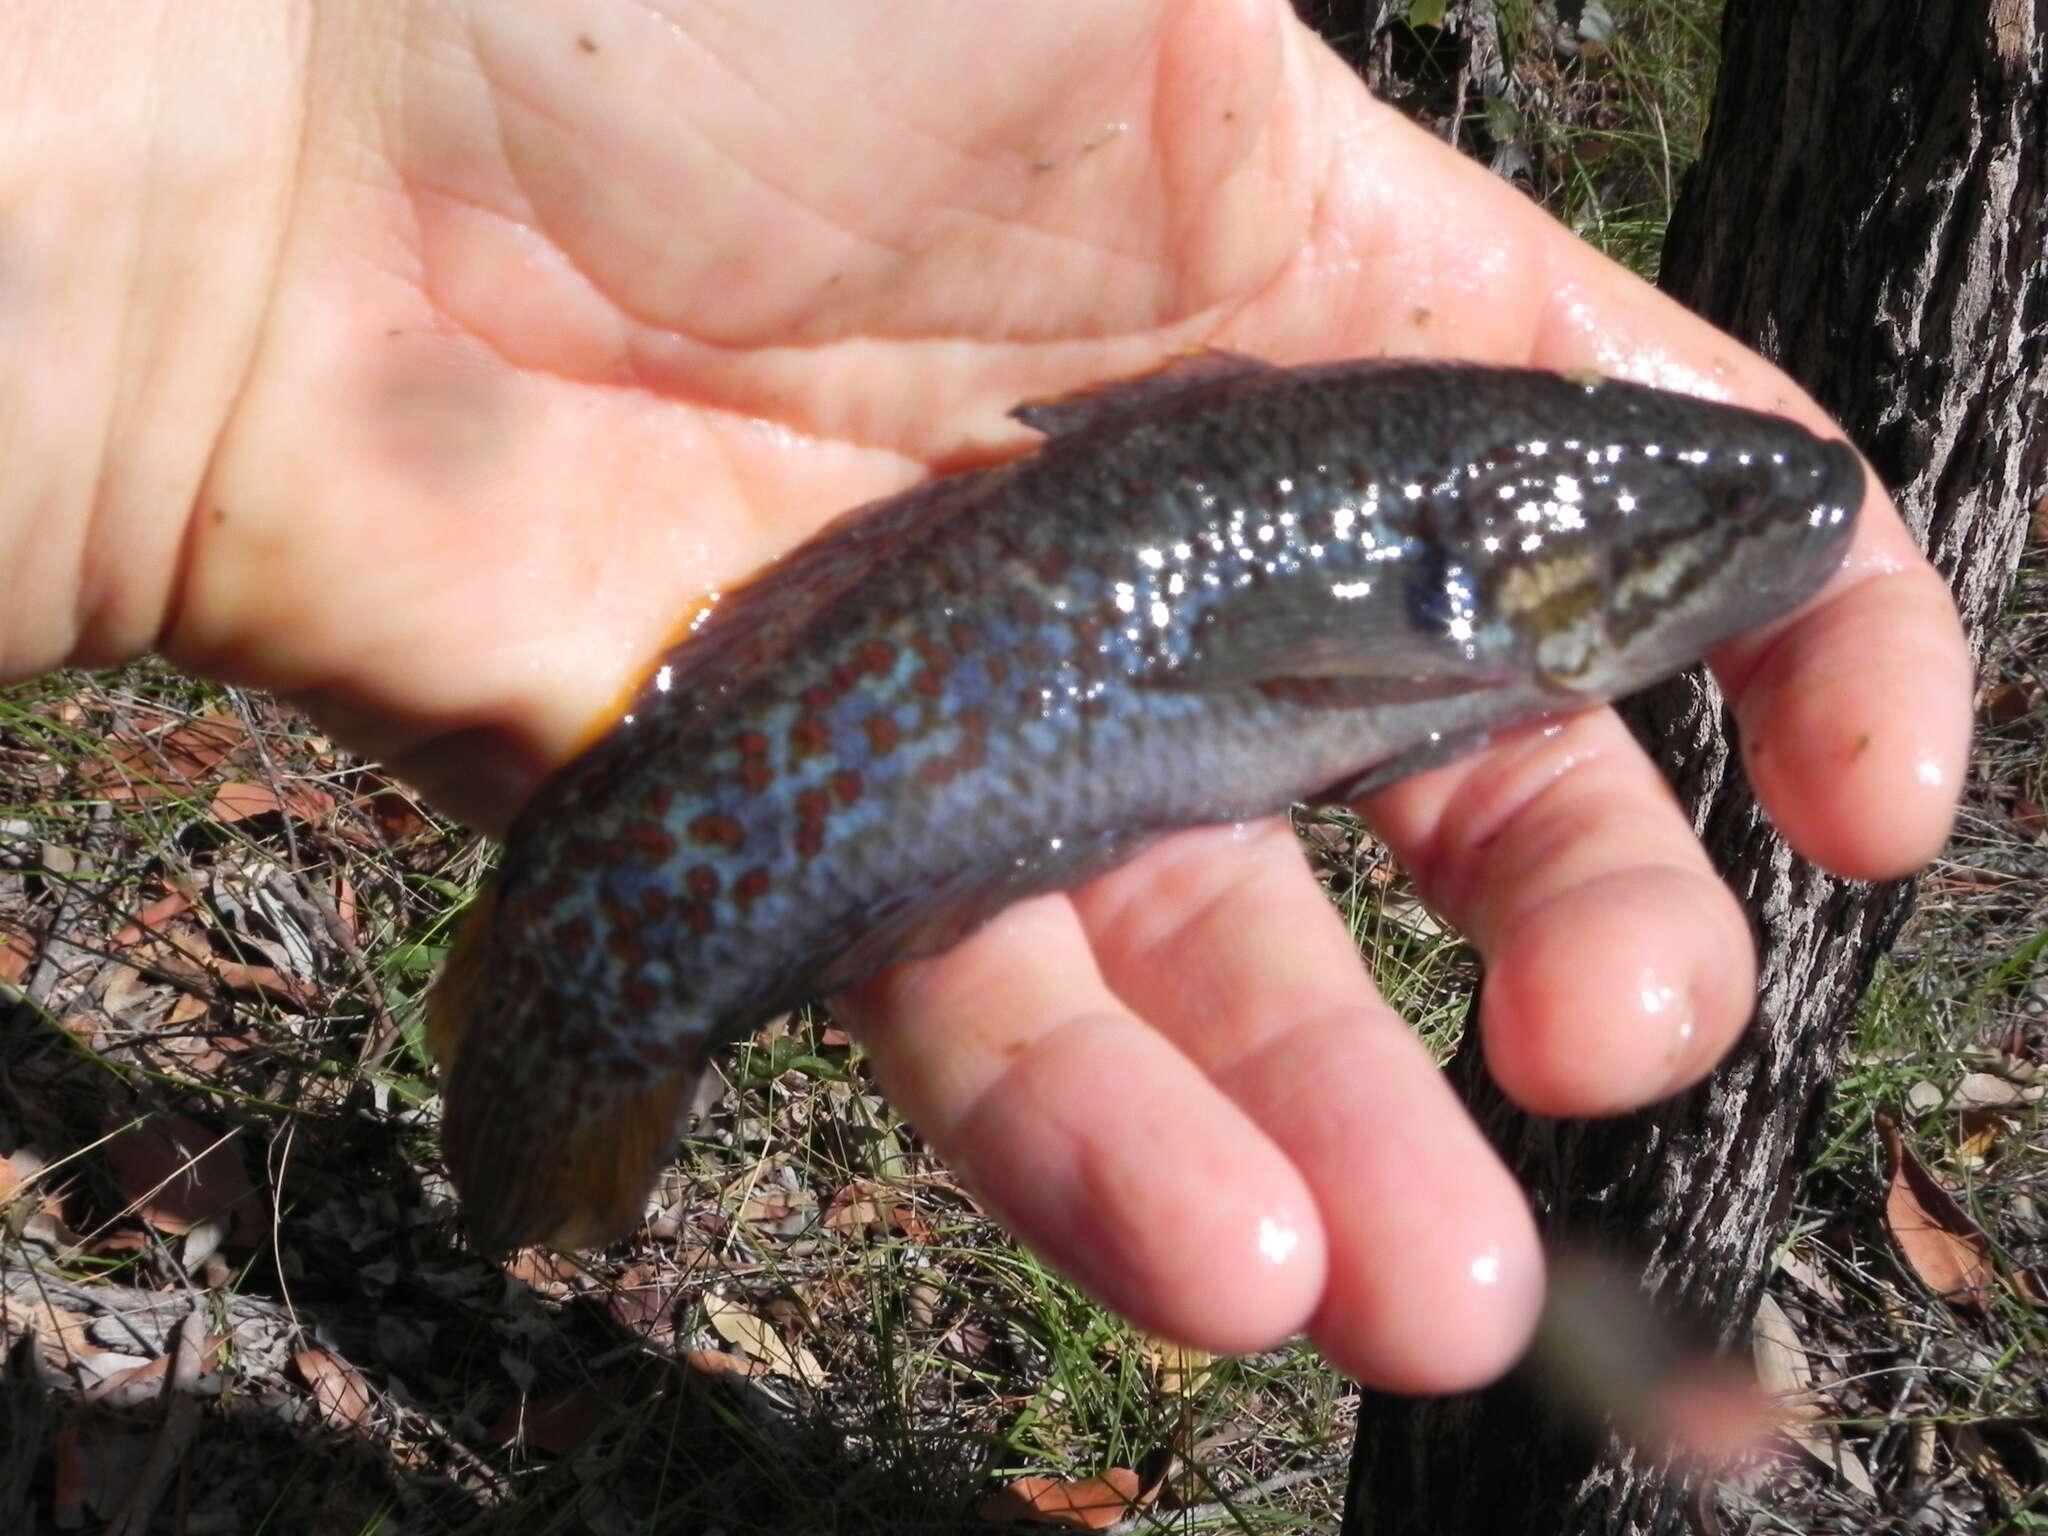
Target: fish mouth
point(1824, 512)
point(1841, 486)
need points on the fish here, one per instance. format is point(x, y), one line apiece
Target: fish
point(1206, 594)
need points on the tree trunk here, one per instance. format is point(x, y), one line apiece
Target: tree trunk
point(1893, 154)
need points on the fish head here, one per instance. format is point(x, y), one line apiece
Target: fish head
point(1600, 562)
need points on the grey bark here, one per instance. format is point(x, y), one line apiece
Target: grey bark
point(1869, 213)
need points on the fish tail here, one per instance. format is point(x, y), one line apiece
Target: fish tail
point(458, 991)
point(567, 1161)
point(542, 1148)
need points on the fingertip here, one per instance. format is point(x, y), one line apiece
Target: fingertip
point(1435, 1273)
point(1110, 1155)
point(1855, 726)
point(1618, 992)
point(1453, 1313)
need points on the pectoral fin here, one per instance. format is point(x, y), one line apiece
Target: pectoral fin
point(1313, 645)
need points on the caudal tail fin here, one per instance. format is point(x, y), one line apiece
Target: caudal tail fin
point(543, 1145)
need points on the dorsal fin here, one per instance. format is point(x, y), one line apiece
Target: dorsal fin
point(1096, 403)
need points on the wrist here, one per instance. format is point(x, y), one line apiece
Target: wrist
point(148, 169)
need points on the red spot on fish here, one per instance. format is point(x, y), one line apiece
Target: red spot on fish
point(1025, 609)
point(878, 657)
point(970, 754)
point(812, 807)
point(1094, 706)
point(963, 635)
point(624, 944)
point(807, 738)
point(818, 698)
point(717, 830)
point(751, 887)
point(697, 916)
point(756, 775)
point(653, 904)
point(659, 799)
point(651, 839)
point(701, 881)
point(846, 786)
point(642, 994)
point(882, 733)
point(752, 744)
point(998, 668)
point(929, 683)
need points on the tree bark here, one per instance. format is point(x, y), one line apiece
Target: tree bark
point(1894, 156)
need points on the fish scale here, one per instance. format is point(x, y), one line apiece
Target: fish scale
point(1210, 592)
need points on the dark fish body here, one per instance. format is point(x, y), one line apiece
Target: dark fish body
point(1211, 592)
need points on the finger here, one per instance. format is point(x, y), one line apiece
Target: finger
point(1854, 720)
point(1092, 1137)
point(1619, 967)
point(1223, 938)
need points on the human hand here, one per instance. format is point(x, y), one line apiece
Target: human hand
point(425, 363)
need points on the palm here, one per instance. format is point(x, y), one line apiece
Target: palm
point(630, 305)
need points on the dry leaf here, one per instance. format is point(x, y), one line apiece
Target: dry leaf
point(68, 1474)
point(1944, 1248)
point(737, 1326)
point(339, 1392)
point(309, 802)
point(17, 958)
point(1984, 1090)
point(563, 1420)
point(177, 1173)
point(345, 907)
point(1785, 1371)
point(153, 917)
point(1179, 1370)
point(1982, 1129)
point(1924, 1098)
point(1782, 1366)
point(1975, 1452)
point(716, 1362)
point(854, 1208)
point(397, 818)
point(2010, 703)
point(243, 800)
point(1088, 1504)
point(264, 981)
point(906, 1220)
point(541, 1271)
point(169, 763)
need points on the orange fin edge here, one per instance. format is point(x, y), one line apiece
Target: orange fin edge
point(457, 993)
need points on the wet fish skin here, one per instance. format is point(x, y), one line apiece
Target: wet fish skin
point(1209, 593)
